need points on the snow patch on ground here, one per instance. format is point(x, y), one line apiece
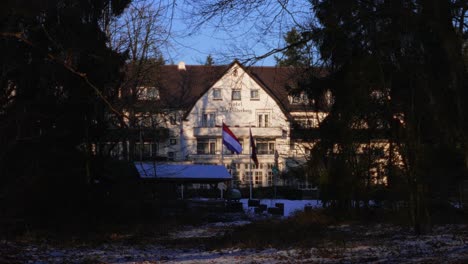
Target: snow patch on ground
point(447, 244)
point(377, 243)
point(290, 206)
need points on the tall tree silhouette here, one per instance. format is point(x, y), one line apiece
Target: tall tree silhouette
point(56, 75)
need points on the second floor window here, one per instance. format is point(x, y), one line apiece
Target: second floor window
point(208, 120)
point(265, 146)
point(236, 95)
point(145, 150)
point(206, 146)
point(263, 120)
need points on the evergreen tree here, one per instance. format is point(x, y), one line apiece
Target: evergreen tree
point(56, 77)
point(209, 60)
point(298, 50)
point(409, 54)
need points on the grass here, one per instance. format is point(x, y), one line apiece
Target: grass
point(302, 230)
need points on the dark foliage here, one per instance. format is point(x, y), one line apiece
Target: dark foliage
point(55, 71)
point(395, 66)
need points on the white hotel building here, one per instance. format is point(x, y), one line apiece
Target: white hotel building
point(193, 102)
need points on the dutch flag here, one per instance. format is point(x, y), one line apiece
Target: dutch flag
point(230, 140)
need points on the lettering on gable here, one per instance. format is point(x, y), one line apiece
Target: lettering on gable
point(235, 107)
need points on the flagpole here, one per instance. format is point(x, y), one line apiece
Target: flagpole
point(222, 145)
point(250, 162)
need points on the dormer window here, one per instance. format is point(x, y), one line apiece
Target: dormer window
point(217, 94)
point(148, 93)
point(296, 99)
point(254, 94)
point(236, 95)
point(300, 98)
point(328, 98)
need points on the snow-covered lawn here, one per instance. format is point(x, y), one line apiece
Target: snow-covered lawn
point(376, 243)
point(446, 245)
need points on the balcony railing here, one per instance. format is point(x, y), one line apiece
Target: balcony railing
point(239, 131)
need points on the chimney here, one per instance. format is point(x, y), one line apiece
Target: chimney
point(181, 66)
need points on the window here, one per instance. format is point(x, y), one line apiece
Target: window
point(208, 120)
point(170, 155)
point(173, 141)
point(247, 176)
point(296, 99)
point(265, 146)
point(112, 149)
point(152, 93)
point(145, 150)
point(236, 95)
point(270, 178)
point(263, 120)
point(173, 120)
point(260, 166)
point(254, 95)
point(217, 94)
point(206, 146)
point(258, 177)
point(328, 98)
point(148, 93)
point(305, 123)
point(300, 98)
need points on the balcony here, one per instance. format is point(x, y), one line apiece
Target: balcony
point(241, 132)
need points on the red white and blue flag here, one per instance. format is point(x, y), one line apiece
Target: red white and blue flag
point(230, 140)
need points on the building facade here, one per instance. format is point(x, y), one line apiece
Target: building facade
point(186, 106)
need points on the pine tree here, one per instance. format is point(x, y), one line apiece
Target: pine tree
point(209, 60)
point(57, 75)
point(409, 53)
point(298, 51)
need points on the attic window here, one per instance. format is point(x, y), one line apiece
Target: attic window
point(234, 72)
point(300, 98)
point(236, 95)
point(148, 93)
point(217, 94)
point(254, 94)
point(296, 99)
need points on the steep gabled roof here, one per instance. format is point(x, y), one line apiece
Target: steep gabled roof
point(183, 88)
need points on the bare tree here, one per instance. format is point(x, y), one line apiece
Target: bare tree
point(140, 33)
point(249, 25)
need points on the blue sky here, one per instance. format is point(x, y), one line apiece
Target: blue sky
point(193, 48)
point(242, 39)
